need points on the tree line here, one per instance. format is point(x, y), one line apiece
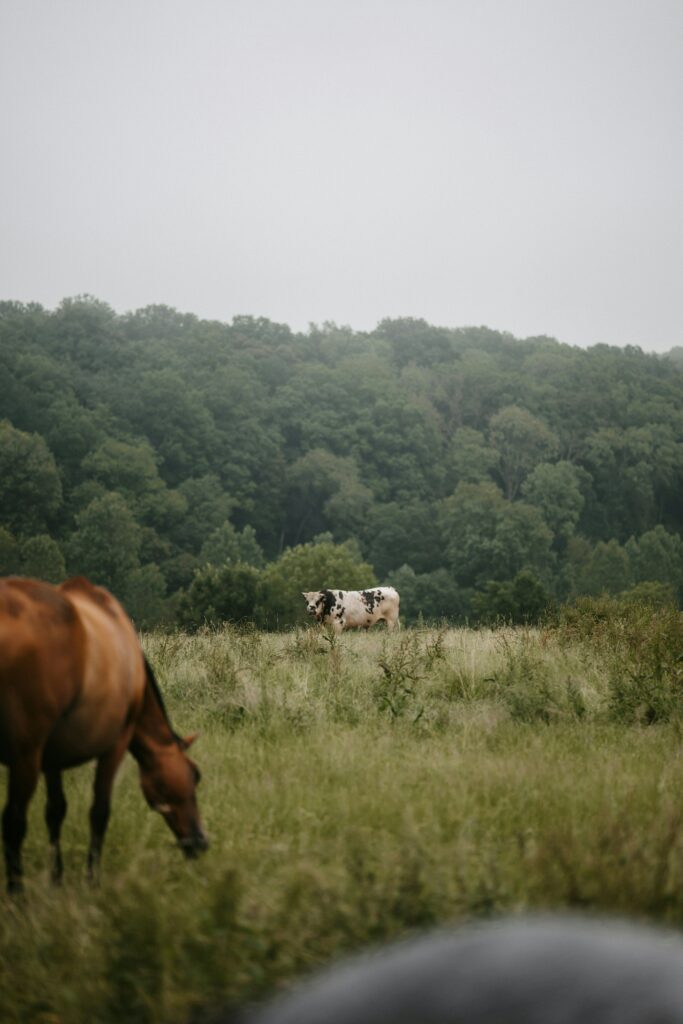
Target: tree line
point(180, 460)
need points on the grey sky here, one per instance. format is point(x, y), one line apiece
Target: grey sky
point(501, 162)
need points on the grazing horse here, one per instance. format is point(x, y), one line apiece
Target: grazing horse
point(74, 687)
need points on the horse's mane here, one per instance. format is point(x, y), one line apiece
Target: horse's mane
point(151, 679)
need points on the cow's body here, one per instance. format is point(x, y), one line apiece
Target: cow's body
point(353, 609)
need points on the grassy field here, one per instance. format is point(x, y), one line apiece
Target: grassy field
point(356, 789)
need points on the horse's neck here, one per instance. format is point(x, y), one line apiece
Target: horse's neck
point(152, 729)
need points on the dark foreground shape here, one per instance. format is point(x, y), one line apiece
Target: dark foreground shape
point(546, 970)
point(75, 687)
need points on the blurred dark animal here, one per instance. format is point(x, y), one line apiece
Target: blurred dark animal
point(75, 686)
point(353, 609)
point(545, 970)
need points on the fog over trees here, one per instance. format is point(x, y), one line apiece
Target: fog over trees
point(202, 470)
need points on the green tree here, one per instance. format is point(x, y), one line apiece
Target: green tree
point(195, 423)
point(471, 459)
point(42, 558)
point(603, 569)
point(324, 491)
point(435, 596)
point(226, 544)
point(650, 592)
point(167, 409)
point(129, 468)
point(634, 471)
point(179, 569)
point(657, 556)
point(482, 384)
point(106, 544)
point(468, 521)
point(85, 331)
point(145, 596)
point(10, 559)
point(402, 452)
point(395, 533)
point(522, 442)
point(208, 507)
point(522, 541)
point(220, 593)
point(347, 509)
point(246, 447)
point(487, 537)
point(555, 489)
point(315, 566)
point(416, 341)
point(71, 431)
point(521, 600)
point(30, 488)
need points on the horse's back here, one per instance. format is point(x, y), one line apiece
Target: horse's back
point(109, 632)
point(40, 656)
point(71, 670)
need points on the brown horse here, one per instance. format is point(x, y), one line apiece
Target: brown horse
point(74, 687)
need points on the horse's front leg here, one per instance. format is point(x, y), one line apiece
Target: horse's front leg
point(24, 772)
point(107, 767)
point(55, 810)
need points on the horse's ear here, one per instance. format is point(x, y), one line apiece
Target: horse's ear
point(187, 741)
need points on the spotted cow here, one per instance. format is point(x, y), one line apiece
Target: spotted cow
point(353, 609)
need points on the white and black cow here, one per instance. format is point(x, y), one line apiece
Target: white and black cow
point(353, 609)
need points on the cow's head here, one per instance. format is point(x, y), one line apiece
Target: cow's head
point(315, 600)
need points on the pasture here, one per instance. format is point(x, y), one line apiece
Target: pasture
point(356, 788)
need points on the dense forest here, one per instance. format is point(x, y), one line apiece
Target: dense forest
point(206, 470)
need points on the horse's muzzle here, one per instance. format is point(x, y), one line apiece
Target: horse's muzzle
point(192, 846)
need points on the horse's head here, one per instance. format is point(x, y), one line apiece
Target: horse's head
point(169, 783)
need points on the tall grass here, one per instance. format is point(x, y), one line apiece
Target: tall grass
point(356, 788)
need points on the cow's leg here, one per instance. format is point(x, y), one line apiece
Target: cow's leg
point(107, 767)
point(24, 773)
point(394, 613)
point(55, 810)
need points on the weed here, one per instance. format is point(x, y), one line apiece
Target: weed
point(641, 646)
point(400, 663)
point(135, 963)
point(333, 826)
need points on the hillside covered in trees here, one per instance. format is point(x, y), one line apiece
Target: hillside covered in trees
point(200, 469)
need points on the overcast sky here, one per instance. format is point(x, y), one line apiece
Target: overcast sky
point(514, 163)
